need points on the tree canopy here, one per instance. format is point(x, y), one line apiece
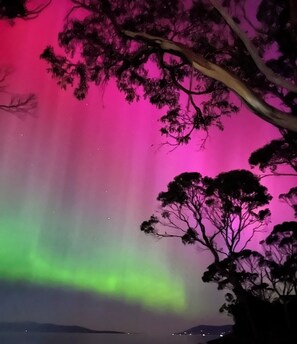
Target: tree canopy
point(200, 49)
point(277, 153)
point(214, 213)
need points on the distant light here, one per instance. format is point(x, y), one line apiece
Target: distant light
point(172, 334)
point(221, 335)
point(203, 334)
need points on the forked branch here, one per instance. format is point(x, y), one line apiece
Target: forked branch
point(265, 111)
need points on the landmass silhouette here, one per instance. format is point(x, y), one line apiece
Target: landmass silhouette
point(46, 327)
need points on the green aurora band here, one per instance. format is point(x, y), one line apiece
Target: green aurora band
point(25, 257)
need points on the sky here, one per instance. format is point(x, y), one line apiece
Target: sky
point(77, 178)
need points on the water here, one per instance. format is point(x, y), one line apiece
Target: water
point(71, 338)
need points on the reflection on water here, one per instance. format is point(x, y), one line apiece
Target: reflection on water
point(70, 338)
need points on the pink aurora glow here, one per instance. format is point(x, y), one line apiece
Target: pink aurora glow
point(101, 159)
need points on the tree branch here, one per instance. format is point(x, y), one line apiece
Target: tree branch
point(278, 175)
point(269, 73)
point(19, 105)
point(257, 105)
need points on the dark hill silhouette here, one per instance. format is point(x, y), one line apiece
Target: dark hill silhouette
point(40, 327)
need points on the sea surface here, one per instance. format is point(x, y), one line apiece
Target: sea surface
point(71, 338)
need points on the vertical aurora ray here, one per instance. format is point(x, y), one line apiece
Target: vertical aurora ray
point(66, 191)
point(57, 223)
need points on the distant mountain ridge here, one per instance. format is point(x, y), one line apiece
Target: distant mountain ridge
point(207, 330)
point(41, 327)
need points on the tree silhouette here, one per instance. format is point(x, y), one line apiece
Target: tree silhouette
point(19, 9)
point(277, 153)
point(291, 199)
point(199, 50)
point(248, 267)
point(269, 281)
point(281, 253)
point(219, 214)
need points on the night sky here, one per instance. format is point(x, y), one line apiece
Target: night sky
point(76, 181)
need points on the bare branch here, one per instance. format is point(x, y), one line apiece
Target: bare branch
point(20, 105)
point(276, 174)
point(32, 14)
